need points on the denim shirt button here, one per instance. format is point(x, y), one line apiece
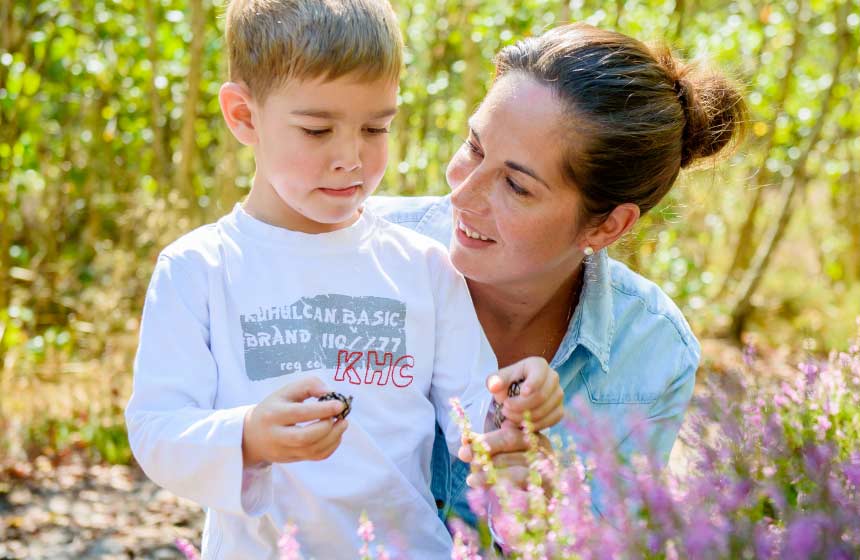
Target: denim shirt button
point(440, 504)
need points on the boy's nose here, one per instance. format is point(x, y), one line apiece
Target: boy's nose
point(348, 157)
point(347, 166)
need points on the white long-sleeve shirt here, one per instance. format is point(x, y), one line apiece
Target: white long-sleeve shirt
point(238, 308)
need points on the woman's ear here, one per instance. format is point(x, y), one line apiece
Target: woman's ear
point(619, 222)
point(236, 102)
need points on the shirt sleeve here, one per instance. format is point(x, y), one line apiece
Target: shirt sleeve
point(463, 356)
point(178, 438)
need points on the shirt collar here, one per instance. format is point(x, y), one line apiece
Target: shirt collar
point(592, 324)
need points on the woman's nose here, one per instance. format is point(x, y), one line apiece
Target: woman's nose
point(470, 194)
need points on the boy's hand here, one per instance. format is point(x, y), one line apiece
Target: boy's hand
point(270, 432)
point(540, 392)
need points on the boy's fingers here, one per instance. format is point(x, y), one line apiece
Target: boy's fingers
point(326, 446)
point(303, 436)
point(294, 413)
point(303, 388)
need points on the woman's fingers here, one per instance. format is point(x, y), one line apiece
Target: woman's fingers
point(547, 414)
point(507, 439)
point(528, 370)
point(507, 460)
point(516, 475)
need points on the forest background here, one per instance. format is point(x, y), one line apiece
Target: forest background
point(112, 145)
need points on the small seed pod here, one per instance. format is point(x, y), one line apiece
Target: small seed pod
point(347, 403)
point(513, 391)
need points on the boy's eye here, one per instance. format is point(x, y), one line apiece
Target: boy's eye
point(316, 132)
point(372, 130)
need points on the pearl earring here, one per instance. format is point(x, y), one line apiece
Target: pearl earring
point(589, 250)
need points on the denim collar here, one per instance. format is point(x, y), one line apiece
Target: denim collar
point(592, 324)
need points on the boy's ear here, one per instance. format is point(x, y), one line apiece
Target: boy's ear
point(236, 101)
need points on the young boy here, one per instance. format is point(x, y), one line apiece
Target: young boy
point(299, 292)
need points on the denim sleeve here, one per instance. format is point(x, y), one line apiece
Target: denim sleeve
point(656, 434)
point(407, 211)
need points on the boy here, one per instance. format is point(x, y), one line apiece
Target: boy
point(299, 292)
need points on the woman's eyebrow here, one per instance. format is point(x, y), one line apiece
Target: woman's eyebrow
point(514, 165)
point(523, 169)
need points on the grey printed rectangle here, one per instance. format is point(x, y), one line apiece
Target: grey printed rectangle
point(307, 335)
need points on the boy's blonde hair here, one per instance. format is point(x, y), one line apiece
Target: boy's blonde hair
point(272, 41)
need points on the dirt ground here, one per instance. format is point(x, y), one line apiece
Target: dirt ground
point(76, 511)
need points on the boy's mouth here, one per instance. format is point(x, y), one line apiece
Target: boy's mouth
point(346, 191)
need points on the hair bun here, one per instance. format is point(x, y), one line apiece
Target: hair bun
point(713, 108)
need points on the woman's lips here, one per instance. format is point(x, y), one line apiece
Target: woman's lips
point(470, 238)
point(471, 233)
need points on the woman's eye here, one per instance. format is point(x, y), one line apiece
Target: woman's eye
point(474, 148)
point(515, 188)
point(316, 132)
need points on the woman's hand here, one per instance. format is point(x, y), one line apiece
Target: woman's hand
point(507, 448)
point(540, 393)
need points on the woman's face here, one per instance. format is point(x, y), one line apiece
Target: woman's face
point(514, 212)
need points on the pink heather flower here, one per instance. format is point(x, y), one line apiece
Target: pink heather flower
point(464, 547)
point(288, 546)
point(803, 537)
point(822, 425)
point(365, 529)
point(187, 549)
point(851, 470)
point(749, 354)
point(478, 500)
point(810, 371)
point(457, 408)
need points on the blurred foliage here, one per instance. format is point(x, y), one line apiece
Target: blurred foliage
point(112, 145)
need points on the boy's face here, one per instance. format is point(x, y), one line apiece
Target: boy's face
point(321, 149)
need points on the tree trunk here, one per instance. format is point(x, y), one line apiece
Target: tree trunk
point(796, 181)
point(564, 14)
point(680, 11)
point(192, 99)
point(160, 162)
point(743, 250)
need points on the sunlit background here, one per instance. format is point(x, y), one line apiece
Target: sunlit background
point(112, 145)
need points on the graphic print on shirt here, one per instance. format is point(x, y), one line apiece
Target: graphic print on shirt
point(362, 338)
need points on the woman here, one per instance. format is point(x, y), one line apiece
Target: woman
point(582, 132)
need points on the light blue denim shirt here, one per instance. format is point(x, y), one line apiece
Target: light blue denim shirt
point(628, 357)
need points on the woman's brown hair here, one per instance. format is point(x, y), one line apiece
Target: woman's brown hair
point(636, 115)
